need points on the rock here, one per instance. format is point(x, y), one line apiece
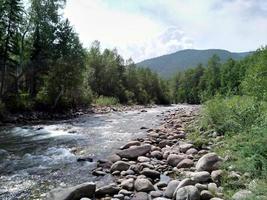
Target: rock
point(208, 162)
point(185, 146)
point(172, 185)
point(143, 127)
point(201, 187)
point(128, 184)
point(216, 176)
point(157, 154)
point(125, 192)
point(143, 111)
point(191, 151)
point(242, 195)
point(140, 196)
point(206, 195)
point(161, 198)
point(120, 166)
point(129, 144)
point(108, 189)
point(99, 173)
point(174, 159)
point(185, 182)
point(155, 194)
point(114, 158)
point(104, 163)
point(119, 196)
point(143, 159)
point(143, 185)
point(200, 177)
point(165, 143)
point(88, 159)
point(150, 173)
point(216, 198)
point(185, 163)
point(134, 151)
point(212, 187)
point(188, 193)
point(73, 193)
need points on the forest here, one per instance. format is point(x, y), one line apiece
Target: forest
point(44, 66)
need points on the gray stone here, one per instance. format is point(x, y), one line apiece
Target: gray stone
point(114, 158)
point(108, 189)
point(129, 144)
point(119, 196)
point(216, 175)
point(200, 177)
point(172, 185)
point(185, 182)
point(134, 151)
point(143, 159)
point(73, 193)
point(140, 196)
point(120, 166)
point(206, 195)
point(150, 173)
point(143, 185)
point(174, 159)
point(188, 193)
point(191, 151)
point(155, 194)
point(185, 163)
point(208, 162)
point(157, 154)
point(125, 192)
point(242, 195)
point(185, 146)
point(128, 184)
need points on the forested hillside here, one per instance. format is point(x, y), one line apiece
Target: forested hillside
point(44, 65)
point(166, 65)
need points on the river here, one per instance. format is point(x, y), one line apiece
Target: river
point(37, 158)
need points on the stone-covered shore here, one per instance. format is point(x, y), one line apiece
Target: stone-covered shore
point(163, 165)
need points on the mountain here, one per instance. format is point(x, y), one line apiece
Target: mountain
point(167, 65)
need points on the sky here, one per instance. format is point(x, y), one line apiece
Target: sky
point(142, 29)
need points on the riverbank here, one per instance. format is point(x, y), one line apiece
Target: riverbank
point(34, 117)
point(163, 165)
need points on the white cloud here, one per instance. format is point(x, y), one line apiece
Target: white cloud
point(144, 29)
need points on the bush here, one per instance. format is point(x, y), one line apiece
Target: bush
point(106, 101)
point(2, 109)
point(232, 114)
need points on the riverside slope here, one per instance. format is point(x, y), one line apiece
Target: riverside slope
point(163, 165)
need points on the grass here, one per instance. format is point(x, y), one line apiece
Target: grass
point(106, 101)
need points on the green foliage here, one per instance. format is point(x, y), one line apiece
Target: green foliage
point(106, 101)
point(2, 109)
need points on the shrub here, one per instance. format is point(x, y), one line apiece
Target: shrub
point(106, 101)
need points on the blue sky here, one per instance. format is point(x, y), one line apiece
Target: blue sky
point(143, 29)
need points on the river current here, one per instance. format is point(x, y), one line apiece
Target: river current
point(37, 158)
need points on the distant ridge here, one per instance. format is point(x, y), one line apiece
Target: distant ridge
point(169, 64)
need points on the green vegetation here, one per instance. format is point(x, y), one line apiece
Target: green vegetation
point(235, 106)
point(44, 65)
point(106, 101)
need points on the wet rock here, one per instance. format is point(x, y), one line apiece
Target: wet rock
point(104, 163)
point(108, 189)
point(200, 177)
point(129, 144)
point(88, 159)
point(120, 166)
point(206, 195)
point(140, 196)
point(208, 162)
point(73, 193)
point(134, 151)
point(143, 127)
point(125, 192)
point(143, 185)
point(174, 159)
point(242, 195)
point(185, 163)
point(172, 185)
point(150, 173)
point(128, 184)
point(188, 193)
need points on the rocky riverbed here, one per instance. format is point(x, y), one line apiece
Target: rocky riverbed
point(163, 165)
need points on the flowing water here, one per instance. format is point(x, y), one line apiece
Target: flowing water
point(37, 158)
